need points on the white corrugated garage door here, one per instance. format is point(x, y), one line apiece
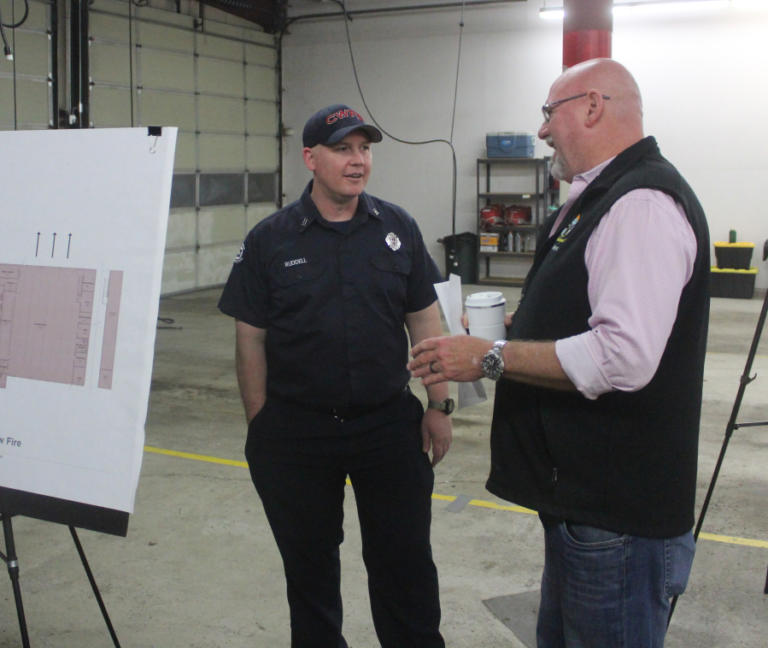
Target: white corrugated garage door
point(26, 91)
point(217, 82)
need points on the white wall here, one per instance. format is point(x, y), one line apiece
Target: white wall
point(703, 79)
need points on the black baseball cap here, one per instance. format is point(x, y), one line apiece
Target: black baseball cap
point(334, 123)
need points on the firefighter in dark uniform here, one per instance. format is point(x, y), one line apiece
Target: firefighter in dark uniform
point(322, 292)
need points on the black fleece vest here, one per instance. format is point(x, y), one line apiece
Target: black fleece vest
point(626, 461)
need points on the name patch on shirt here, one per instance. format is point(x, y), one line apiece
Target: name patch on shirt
point(295, 262)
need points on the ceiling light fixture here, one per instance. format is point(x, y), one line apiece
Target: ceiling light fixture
point(636, 7)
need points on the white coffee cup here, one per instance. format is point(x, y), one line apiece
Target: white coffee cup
point(485, 311)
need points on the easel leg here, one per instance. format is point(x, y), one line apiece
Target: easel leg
point(765, 591)
point(13, 572)
point(94, 587)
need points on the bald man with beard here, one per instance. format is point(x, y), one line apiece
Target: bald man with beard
point(598, 400)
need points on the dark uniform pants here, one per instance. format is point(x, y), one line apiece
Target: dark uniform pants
point(301, 481)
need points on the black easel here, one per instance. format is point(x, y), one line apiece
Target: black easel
point(13, 571)
point(732, 424)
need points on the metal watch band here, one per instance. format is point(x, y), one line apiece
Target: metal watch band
point(492, 363)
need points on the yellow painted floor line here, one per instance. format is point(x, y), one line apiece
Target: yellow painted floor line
point(195, 457)
point(713, 537)
point(744, 542)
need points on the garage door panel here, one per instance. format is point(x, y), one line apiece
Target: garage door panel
point(260, 82)
point(30, 54)
point(110, 64)
point(219, 114)
point(257, 213)
point(220, 47)
point(221, 225)
point(166, 70)
point(32, 104)
point(222, 152)
point(261, 118)
point(38, 17)
point(182, 230)
point(214, 263)
point(261, 55)
point(186, 152)
point(108, 27)
point(262, 153)
point(179, 272)
point(110, 107)
point(225, 77)
point(160, 36)
point(167, 109)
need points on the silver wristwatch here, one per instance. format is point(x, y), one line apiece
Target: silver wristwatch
point(492, 363)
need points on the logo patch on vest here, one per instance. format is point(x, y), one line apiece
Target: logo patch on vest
point(566, 231)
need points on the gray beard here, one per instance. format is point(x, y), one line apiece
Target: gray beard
point(558, 170)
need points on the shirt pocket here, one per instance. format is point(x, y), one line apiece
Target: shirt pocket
point(391, 272)
point(298, 288)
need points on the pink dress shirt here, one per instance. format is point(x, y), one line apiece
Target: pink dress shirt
point(638, 258)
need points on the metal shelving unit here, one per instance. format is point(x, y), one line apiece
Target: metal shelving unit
point(512, 181)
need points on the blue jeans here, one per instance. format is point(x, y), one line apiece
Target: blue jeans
point(601, 589)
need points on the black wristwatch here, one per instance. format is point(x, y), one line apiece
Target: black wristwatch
point(492, 363)
point(445, 406)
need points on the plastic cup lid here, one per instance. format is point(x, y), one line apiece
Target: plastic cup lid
point(485, 299)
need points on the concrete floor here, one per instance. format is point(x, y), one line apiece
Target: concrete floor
point(199, 567)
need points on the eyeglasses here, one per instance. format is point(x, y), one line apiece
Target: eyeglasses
point(547, 108)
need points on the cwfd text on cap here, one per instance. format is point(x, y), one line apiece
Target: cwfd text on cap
point(334, 123)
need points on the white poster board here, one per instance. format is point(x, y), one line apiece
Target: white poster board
point(83, 218)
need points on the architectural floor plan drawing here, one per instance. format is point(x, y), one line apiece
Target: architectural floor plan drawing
point(81, 264)
point(46, 321)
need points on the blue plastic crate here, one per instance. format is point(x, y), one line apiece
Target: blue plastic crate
point(515, 145)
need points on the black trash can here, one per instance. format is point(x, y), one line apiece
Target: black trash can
point(461, 256)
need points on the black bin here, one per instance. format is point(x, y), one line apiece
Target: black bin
point(461, 256)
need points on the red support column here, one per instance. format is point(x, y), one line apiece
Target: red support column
point(587, 28)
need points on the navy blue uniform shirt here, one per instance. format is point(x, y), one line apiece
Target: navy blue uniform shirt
point(333, 299)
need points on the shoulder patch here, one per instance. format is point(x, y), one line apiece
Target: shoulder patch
point(239, 256)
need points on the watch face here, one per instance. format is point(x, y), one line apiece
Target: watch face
point(445, 406)
point(492, 365)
